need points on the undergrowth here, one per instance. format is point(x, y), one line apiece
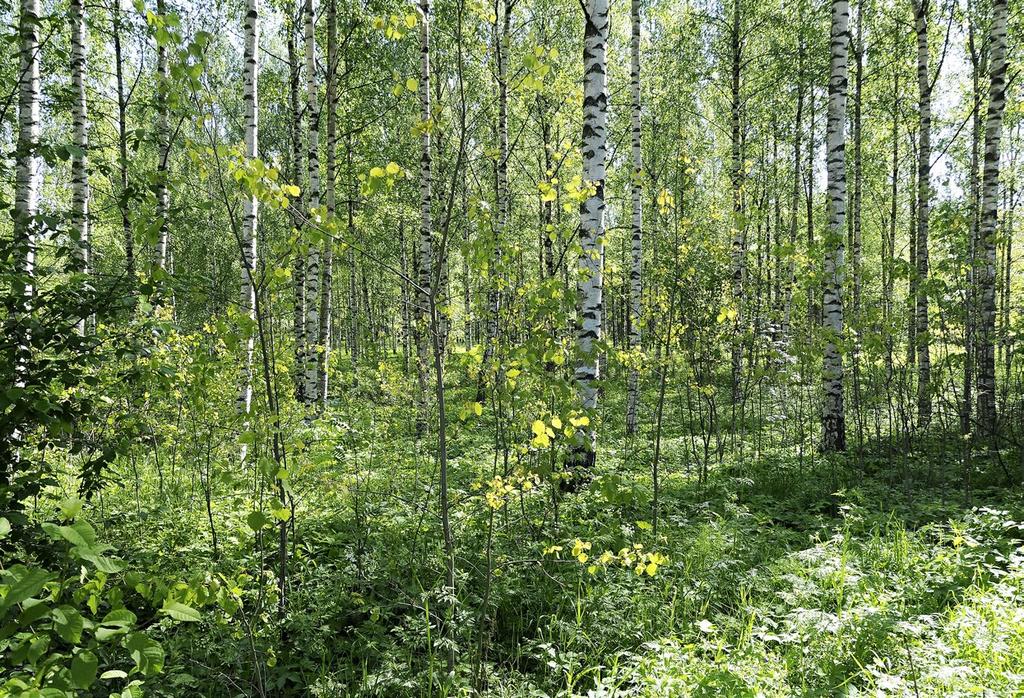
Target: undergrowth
point(779, 573)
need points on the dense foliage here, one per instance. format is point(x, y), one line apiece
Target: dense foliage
point(511, 348)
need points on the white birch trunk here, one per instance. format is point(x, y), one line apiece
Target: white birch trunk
point(79, 159)
point(312, 275)
point(326, 288)
point(122, 150)
point(503, 16)
point(353, 296)
point(833, 413)
point(986, 277)
point(787, 311)
point(425, 251)
point(595, 155)
point(295, 163)
point(856, 232)
point(636, 240)
point(250, 207)
point(738, 250)
point(924, 190)
point(163, 138)
point(28, 179)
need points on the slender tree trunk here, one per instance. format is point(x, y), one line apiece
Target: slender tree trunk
point(889, 245)
point(79, 158)
point(312, 276)
point(595, 155)
point(856, 246)
point(353, 294)
point(295, 164)
point(970, 291)
point(467, 281)
point(163, 137)
point(250, 210)
point(503, 16)
point(738, 232)
point(406, 302)
point(912, 281)
point(441, 261)
point(813, 308)
point(636, 248)
point(548, 213)
point(834, 416)
point(425, 252)
point(326, 290)
point(989, 220)
point(28, 181)
point(775, 240)
point(122, 150)
point(924, 154)
point(855, 227)
point(787, 313)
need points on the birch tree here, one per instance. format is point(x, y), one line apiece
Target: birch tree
point(636, 239)
point(296, 173)
point(163, 141)
point(80, 155)
point(889, 234)
point(425, 246)
point(28, 180)
point(787, 312)
point(833, 415)
point(857, 195)
point(924, 154)
point(986, 267)
point(326, 290)
point(127, 235)
point(312, 275)
point(250, 210)
point(503, 17)
point(738, 232)
point(592, 209)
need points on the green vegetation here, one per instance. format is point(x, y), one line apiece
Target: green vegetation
point(519, 348)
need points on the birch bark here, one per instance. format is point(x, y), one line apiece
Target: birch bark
point(592, 212)
point(80, 159)
point(833, 415)
point(636, 239)
point(312, 275)
point(986, 278)
point(250, 207)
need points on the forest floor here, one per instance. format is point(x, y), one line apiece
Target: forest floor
point(780, 573)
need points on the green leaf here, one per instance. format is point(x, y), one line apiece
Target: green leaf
point(179, 611)
point(34, 610)
point(114, 624)
point(24, 582)
point(79, 533)
point(147, 654)
point(70, 508)
point(105, 564)
point(257, 520)
point(53, 693)
point(68, 623)
point(5, 527)
point(83, 669)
